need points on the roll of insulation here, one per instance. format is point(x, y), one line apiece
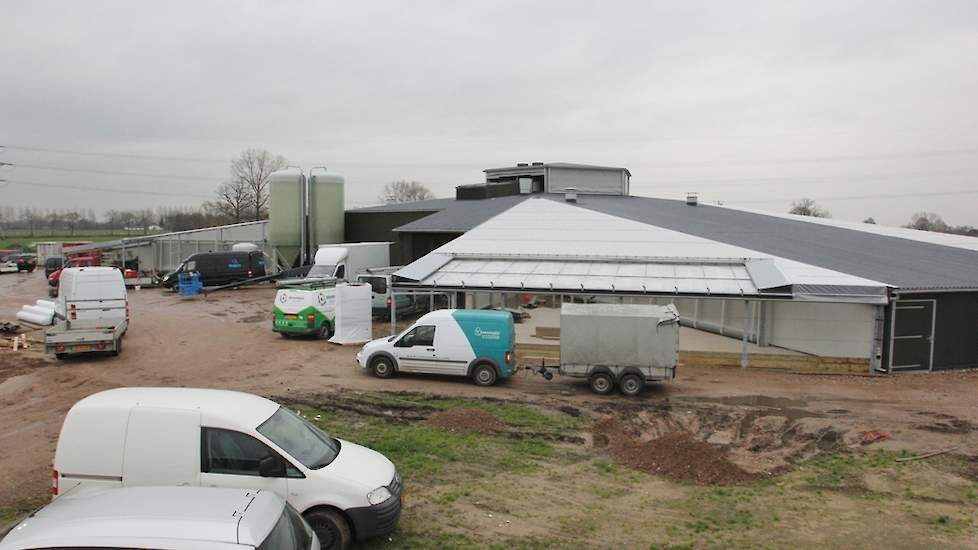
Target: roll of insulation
point(46, 303)
point(35, 318)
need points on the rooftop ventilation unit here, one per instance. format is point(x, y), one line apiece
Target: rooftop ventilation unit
point(537, 164)
point(521, 164)
point(570, 194)
point(692, 199)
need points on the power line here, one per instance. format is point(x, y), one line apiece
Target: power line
point(114, 155)
point(108, 189)
point(113, 172)
point(794, 180)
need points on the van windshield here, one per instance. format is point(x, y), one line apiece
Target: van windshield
point(321, 271)
point(303, 441)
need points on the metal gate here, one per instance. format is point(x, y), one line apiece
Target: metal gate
point(912, 335)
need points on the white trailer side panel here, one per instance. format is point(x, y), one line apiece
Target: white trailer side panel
point(618, 335)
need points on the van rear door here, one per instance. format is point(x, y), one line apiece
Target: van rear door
point(162, 447)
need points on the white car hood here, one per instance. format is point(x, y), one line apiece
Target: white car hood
point(359, 464)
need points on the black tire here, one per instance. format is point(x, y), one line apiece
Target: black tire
point(383, 367)
point(327, 331)
point(331, 529)
point(285, 334)
point(484, 375)
point(60, 356)
point(601, 383)
point(631, 385)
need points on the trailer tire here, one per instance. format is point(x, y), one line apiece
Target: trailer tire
point(383, 367)
point(484, 375)
point(631, 384)
point(60, 356)
point(601, 383)
point(118, 348)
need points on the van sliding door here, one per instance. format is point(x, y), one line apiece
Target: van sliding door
point(162, 447)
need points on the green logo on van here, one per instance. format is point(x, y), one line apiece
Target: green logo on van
point(487, 334)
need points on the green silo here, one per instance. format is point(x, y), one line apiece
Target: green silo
point(287, 204)
point(326, 209)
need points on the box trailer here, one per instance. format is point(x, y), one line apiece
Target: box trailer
point(624, 345)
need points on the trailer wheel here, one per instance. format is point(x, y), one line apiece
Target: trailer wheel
point(484, 375)
point(118, 348)
point(382, 367)
point(601, 383)
point(631, 385)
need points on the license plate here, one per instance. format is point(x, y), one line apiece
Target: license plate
point(291, 317)
point(83, 347)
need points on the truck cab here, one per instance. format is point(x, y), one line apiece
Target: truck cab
point(478, 344)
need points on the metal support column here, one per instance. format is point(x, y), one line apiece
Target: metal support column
point(743, 340)
point(393, 313)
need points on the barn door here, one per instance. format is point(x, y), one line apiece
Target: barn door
point(912, 335)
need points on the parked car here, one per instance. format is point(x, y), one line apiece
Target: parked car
point(475, 343)
point(52, 264)
point(219, 268)
point(200, 437)
point(19, 262)
point(163, 518)
point(94, 308)
point(54, 279)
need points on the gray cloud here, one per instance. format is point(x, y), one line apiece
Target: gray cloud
point(706, 96)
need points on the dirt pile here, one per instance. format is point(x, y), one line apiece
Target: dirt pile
point(466, 420)
point(676, 455)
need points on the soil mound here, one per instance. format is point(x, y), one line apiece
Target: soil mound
point(676, 455)
point(466, 420)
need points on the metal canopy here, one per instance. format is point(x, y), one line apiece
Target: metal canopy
point(547, 246)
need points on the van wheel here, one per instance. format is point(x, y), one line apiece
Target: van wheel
point(484, 375)
point(327, 331)
point(631, 385)
point(331, 529)
point(383, 368)
point(60, 356)
point(601, 383)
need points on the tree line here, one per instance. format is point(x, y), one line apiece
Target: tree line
point(924, 221)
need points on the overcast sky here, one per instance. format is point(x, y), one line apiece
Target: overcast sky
point(869, 107)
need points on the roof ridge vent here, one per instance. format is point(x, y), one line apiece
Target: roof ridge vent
point(570, 194)
point(692, 199)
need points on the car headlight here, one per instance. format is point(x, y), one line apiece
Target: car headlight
point(378, 495)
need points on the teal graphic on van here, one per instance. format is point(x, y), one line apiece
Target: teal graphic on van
point(490, 333)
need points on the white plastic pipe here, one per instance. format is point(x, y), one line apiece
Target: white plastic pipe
point(46, 303)
point(40, 310)
point(35, 318)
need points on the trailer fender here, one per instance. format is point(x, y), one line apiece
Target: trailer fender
point(480, 361)
point(632, 370)
point(606, 370)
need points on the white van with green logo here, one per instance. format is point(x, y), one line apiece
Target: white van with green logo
point(305, 309)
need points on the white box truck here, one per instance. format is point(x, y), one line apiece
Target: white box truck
point(345, 261)
point(617, 344)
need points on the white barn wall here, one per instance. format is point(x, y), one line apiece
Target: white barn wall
point(609, 182)
point(835, 330)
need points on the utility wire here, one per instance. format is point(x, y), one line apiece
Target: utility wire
point(864, 197)
point(108, 189)
point(115, 173)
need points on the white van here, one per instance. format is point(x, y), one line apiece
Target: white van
point(92, 293)
point(164, 518)
point(217, 438)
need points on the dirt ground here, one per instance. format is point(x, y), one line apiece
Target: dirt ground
point(764, 420)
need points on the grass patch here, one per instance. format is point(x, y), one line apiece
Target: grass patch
point(836, 470)
point(16, 511)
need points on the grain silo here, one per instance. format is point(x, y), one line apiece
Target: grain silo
point(286, 213)
point(326, 212)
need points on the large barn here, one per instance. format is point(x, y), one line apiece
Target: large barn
point(899, 299)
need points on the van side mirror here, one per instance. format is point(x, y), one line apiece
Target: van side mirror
point(271, 466)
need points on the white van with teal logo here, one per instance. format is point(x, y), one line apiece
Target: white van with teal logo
point(474, 343)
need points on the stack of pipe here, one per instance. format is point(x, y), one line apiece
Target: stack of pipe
point(40, 312)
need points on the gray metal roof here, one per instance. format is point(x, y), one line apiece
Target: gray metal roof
point(904, 263)
point(556, 165)
point(460, 216)
point(432, 205)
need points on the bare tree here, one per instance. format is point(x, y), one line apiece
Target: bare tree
point(808, 207)
point(870, 220)
point(233, 201)
point(928, 221)
point(405, 191)
point(71, 220)
point(251, 170)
